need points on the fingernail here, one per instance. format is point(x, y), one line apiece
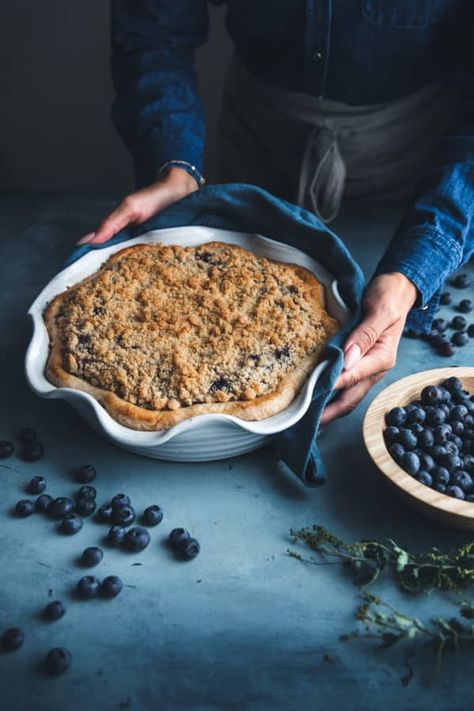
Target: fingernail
point(87, 238)
point(352, 356)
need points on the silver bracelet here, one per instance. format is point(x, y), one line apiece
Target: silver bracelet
point(188, 167)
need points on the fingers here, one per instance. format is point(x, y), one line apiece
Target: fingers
point(379, 360)
point(348, 399)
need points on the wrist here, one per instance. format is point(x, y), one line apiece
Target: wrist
point(396, 288)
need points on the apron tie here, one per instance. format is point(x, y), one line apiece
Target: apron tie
point(322, 174)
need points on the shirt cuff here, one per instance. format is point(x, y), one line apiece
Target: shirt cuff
point(188, 167)
point(154, 151)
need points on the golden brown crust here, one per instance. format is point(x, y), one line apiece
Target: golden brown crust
point(188, 315)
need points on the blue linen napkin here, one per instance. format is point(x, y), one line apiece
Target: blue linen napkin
point(247, 208)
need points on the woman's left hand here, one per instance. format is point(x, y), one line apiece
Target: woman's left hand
point(371, 349)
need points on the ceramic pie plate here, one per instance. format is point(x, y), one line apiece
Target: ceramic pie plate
point(201, 438)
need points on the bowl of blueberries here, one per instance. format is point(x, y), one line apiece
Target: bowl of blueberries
point(419, 432)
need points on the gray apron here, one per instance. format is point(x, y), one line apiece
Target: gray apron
point(314, 152)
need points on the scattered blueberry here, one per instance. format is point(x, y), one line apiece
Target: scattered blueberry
point(470, 330)
point(445, 298)
point(71, 524)
point(465, 306)
point(87, 587)
point(136, 539)
point(104, 513)
point(92, 556)
point(27, 435)
point(59, 507)
point(447, 349)
point(123, 515)
point(58, 660)
point(12, 639)
point(87, 492)
point(190, 548)
point(153, 515)
point(6, 449)
point(24, 508)
point(85, 473)
point(42, 503)
point(85, 506)
point(37, 485)
point(461, 281)
point(111, 586)
point(459, 323)
point(455, 492)
point(32, 452)
point(54, 610)
point(440, 324)
point(116, 535)
point(120, 500)
point(178, 536)
point(460, 338)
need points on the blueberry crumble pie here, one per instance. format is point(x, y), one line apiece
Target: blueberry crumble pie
point(162, 333)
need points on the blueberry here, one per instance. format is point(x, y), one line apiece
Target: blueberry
point(452, 384)
point(460, 338)
point(440, 475)
point(407, 439)
point(6, 449)
point(457, 441)
point(85, 506)
point(455, 492)
point(470, 498)
point(451, 447)
point(87, 587)
point(436, 416)
point(457, 427)
point(32, 452)
point(59, 507)
point(85, 473)
point(463, 480)
point(458, 412)
point(442, 433)
point(465, 306)
point(439, 340)
point(54, 610)
point(153, 515)
point(470, 330)
point(24, 508)
point(396, 416)
point(426, 461)
point(458, 323)
point(446, 349)
point(396, 451)
point(116, 535)
point(104, 513)
point(440, 488)
point(92, 556)
point(87, 492)
point(178, 536)
point(37, 485)
point(12, 639)
point(58, 660)
point(111, 586)
point(445, 394)
point(391, 434)
point(416, 415)
point(426, 438)
point(71, 524)
point(440, 324)
point(468, 463)
point(42, 503)
point(445, 298)
point(27, 435)
point(424, 478)
point(461, 281)
point(451, 461)
point(190, 548)
point(136, 539)
point(410, 462)
point(123, 515)
point(431, 395)
point(416, 428)
point(120, 500)
point(438, 451)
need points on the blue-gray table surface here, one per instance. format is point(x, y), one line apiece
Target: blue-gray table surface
point(243, 626)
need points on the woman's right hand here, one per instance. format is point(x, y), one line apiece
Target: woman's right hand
point(172, 185)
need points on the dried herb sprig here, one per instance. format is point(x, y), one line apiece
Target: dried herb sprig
point(450, 570)
point(383, 622)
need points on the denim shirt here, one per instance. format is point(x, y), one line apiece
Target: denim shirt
point(356, 51)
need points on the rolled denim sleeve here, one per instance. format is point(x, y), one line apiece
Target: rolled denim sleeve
point(437, 235)
point(157, 111)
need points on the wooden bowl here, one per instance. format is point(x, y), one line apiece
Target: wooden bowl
point(452, 512)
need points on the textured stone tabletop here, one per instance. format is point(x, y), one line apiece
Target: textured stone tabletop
point(243, 626)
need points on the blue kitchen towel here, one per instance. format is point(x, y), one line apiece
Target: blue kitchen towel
point(247, 208)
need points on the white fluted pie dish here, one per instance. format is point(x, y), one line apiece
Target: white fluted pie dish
point(205, 437)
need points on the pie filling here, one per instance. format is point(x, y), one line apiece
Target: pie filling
point(165, 327)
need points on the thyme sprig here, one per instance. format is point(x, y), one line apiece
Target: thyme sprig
point(383, 622)
point(450, 570)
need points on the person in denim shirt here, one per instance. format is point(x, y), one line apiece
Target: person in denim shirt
point(348, 55)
